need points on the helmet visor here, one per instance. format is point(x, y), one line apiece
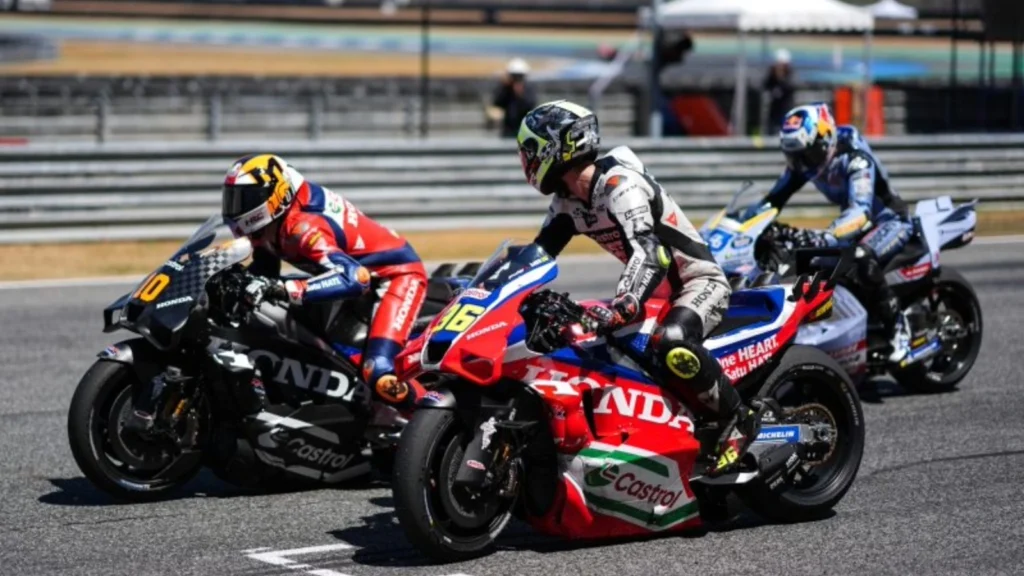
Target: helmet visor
point(810, 159)
point(531, 162)
point(244, 209)
point(237, 200)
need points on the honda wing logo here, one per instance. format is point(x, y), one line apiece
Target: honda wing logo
point(292, 372)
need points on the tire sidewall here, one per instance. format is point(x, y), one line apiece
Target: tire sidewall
point(425, 439)
point(102, 381)
point(802, 359)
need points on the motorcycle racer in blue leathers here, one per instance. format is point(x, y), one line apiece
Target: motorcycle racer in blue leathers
point(842, 166)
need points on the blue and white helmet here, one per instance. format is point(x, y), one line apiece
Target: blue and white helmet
point(808, 138)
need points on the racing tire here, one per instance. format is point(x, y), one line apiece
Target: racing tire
point(958, 295)
point(434, 521)
point(100, 399)
point(805, 376)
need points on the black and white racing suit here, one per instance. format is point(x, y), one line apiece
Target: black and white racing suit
point(631, 216)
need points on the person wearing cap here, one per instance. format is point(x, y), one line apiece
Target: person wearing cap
point(513, 98)
point(778, 83)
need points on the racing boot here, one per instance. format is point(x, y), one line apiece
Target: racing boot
point(736, 436)
point(725, 438)
point(887, 305)
point(398, 394)
point(895, 323)
point(900, 342)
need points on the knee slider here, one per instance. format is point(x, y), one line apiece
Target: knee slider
point(376, 366)
point(379, 374)
point(676, 353)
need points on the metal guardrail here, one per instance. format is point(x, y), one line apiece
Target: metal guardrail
point(75, 192)
point(161, 109)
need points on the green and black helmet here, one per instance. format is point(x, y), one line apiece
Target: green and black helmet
point(553, 138)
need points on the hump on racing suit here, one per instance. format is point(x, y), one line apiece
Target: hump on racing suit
point(852, 179)
point(326, 236)
point(631, 216)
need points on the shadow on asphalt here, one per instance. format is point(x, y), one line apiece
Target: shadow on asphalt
point(81, 492)
point(943, 460)
point(380, 542)
point(876, 390)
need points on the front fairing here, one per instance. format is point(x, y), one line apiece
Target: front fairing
point(471, 336)
point(732, 234)
point(162, 303)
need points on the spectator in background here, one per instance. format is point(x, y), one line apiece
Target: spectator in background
point(673, 48)
point(779, 85)
point(513, 99)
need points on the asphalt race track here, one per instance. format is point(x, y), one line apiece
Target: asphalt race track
point(939, 491)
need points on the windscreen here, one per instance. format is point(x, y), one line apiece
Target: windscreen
point(204, 236)
point(746, 201)
point(509, 261)
point(161, 304)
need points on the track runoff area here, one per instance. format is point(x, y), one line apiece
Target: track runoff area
point(938, 491)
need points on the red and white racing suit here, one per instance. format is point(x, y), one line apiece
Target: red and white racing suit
point(632, 217)
point(326, 236)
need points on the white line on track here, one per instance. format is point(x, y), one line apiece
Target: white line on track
point(282, 558)
point(573, 259)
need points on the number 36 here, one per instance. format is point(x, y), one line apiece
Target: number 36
point(460, 317)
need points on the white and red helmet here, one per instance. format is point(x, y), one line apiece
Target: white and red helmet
point(258, 190)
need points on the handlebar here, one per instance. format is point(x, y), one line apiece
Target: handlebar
point(226, 291)
point(547, 315)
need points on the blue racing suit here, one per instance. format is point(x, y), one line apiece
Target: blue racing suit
point(856, 181)
point(872, 214)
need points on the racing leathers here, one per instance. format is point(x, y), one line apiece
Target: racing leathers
point(872, 214)
point(632, 217)
point(326, 236)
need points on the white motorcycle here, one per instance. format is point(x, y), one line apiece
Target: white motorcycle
point(941, 305)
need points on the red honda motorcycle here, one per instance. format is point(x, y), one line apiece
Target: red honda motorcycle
point(527, 415)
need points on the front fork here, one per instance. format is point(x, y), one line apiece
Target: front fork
point(497, 440)
point(159, 403)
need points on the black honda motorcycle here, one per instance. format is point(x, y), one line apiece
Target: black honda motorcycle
point(267, 397)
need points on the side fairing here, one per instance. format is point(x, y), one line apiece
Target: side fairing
point(843, 335)
point(732, 242)
point(742, 350)
point(626, 470)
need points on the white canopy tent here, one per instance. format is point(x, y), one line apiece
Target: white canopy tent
point(892, 10)
point(764, 16)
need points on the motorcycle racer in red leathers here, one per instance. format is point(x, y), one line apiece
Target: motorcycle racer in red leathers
point(614, 200)
point(319, 232)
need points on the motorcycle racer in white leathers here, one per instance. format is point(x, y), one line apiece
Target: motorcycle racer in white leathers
point(614, 200)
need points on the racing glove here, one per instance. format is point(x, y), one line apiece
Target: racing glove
point(607, 319)
point(260, 289)
point(792, 238)
point(815, 239)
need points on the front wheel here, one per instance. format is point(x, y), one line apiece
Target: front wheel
point(445, 522)
point(813, 390)
point(116, 461)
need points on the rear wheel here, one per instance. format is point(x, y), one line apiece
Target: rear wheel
point(813, 389)
point(959, 323)
point(445, 522)
point(116, 461)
